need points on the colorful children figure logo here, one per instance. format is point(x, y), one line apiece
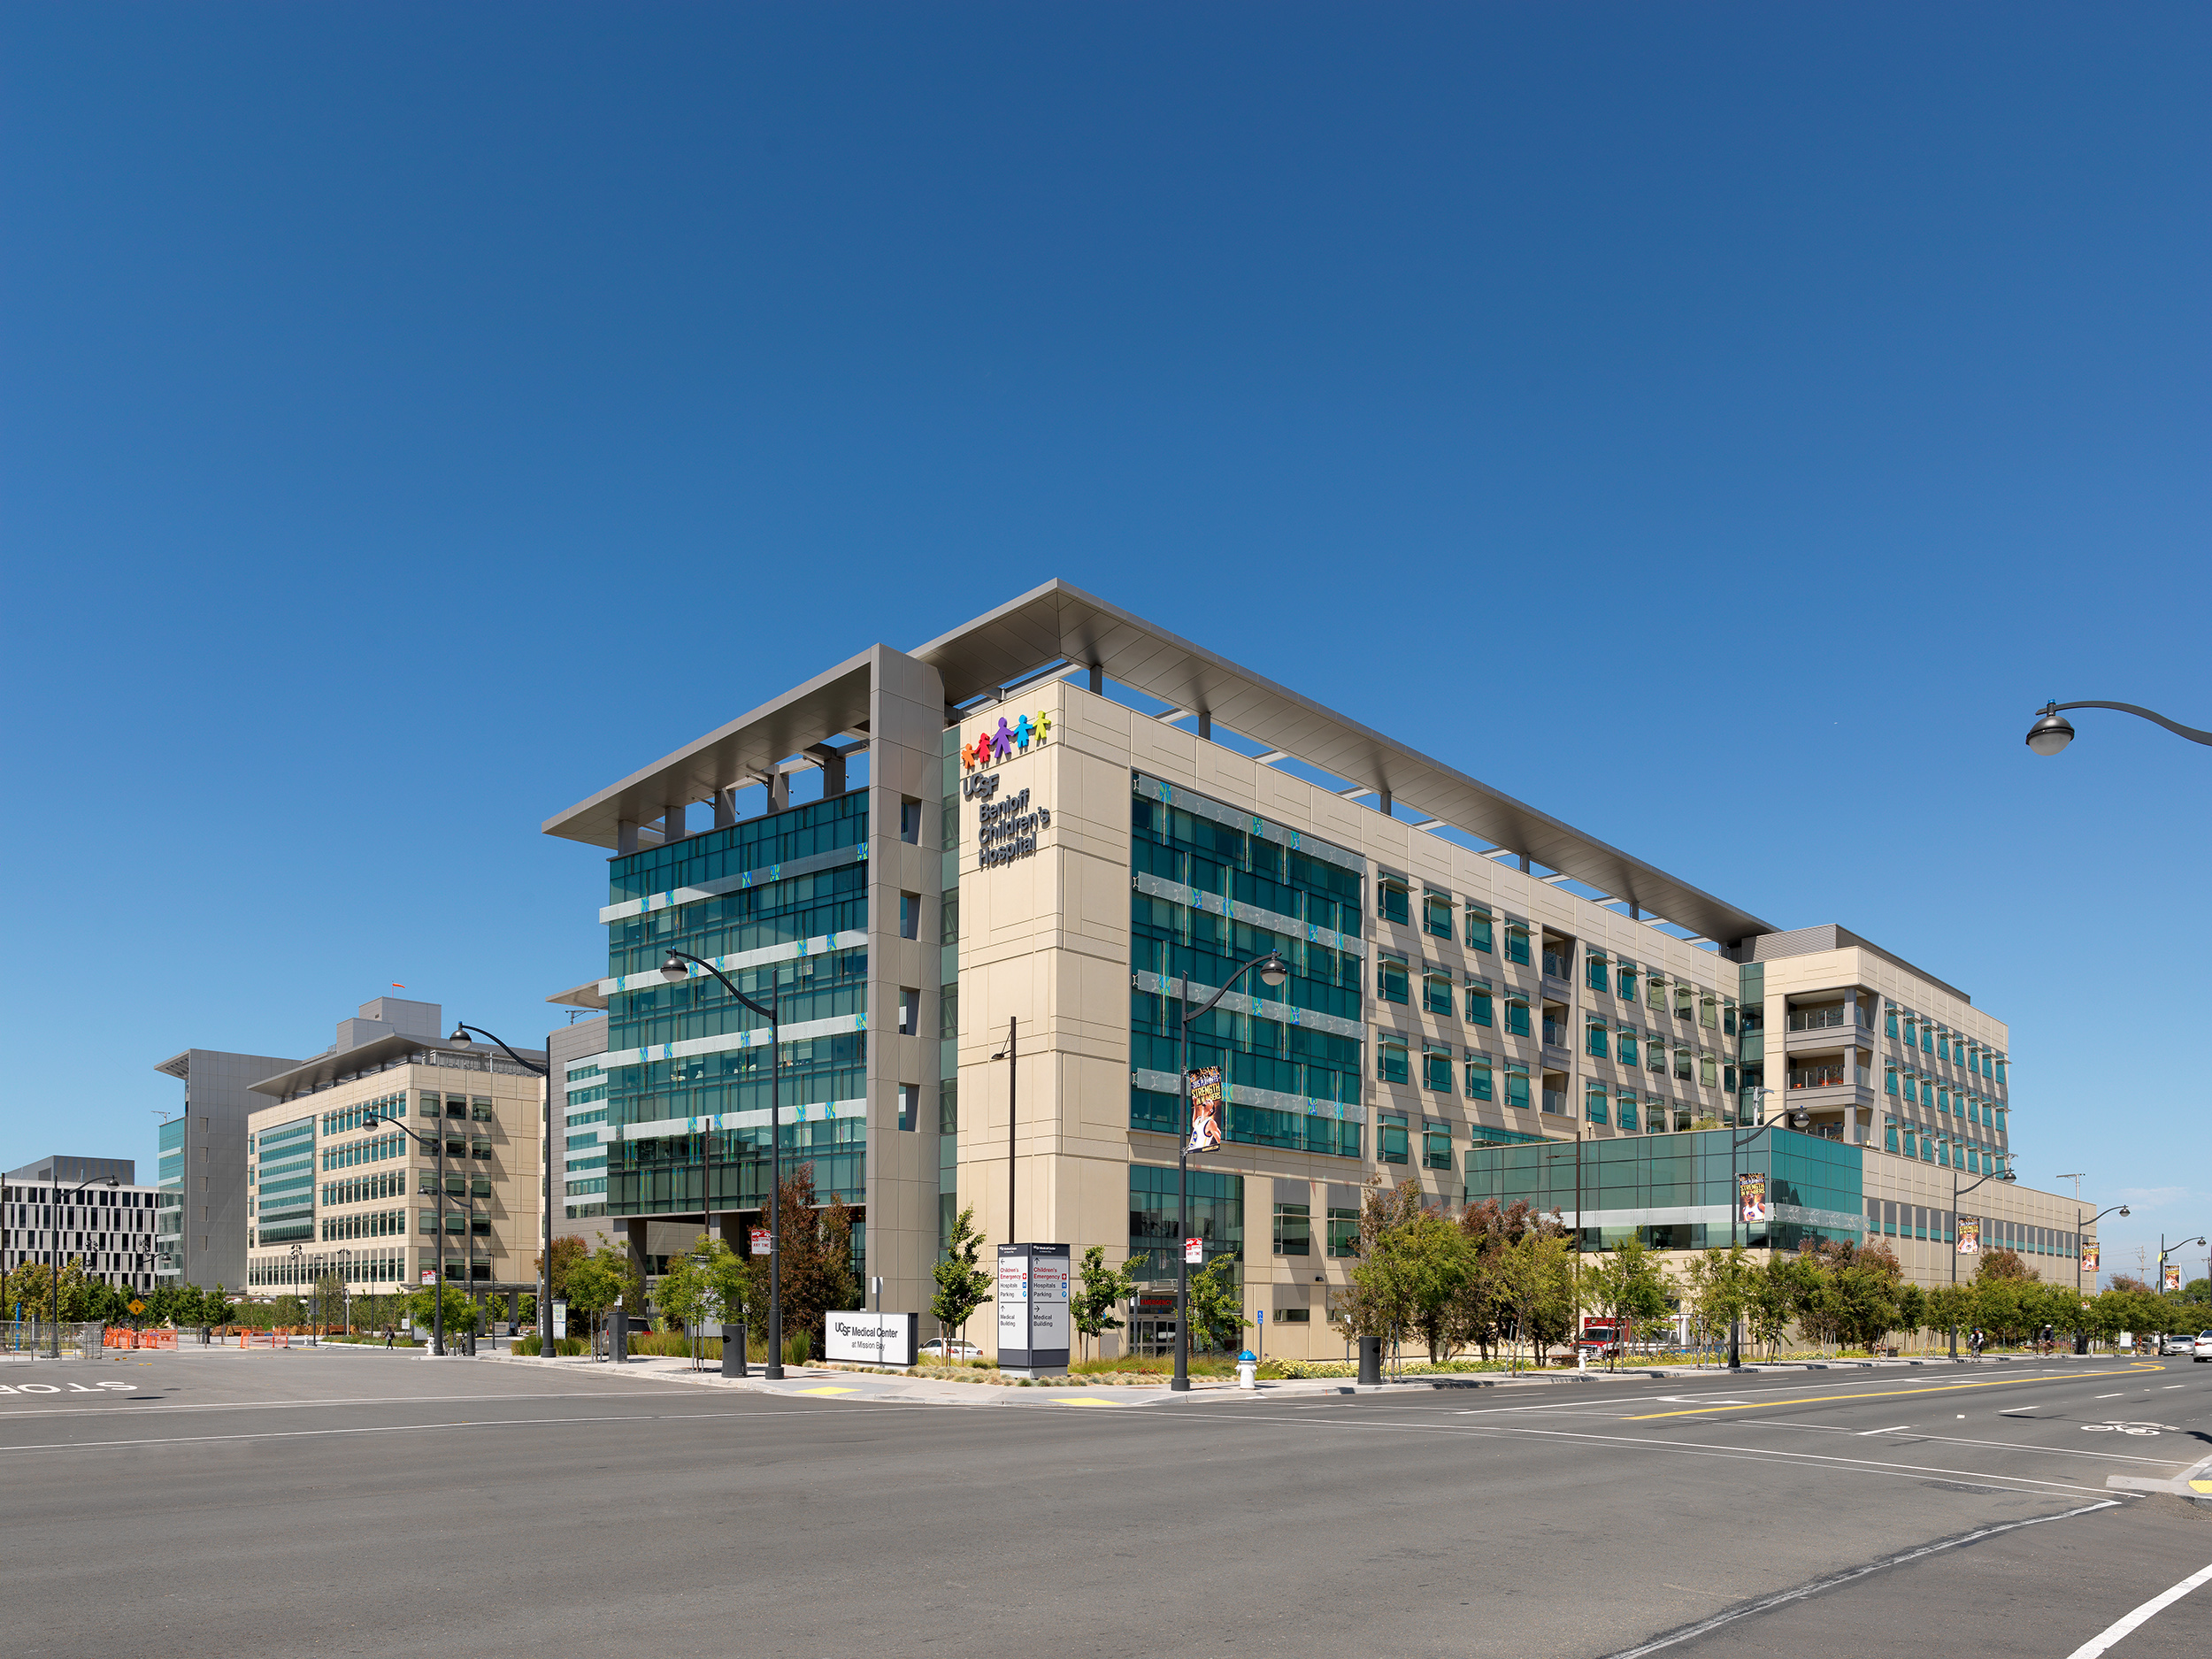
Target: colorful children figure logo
point(1006, 741)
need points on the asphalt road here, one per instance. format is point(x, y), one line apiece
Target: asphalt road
point(357, 1502)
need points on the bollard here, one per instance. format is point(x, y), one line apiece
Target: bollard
point(734, 1350)
point(619, 1336)
point(1371, 1361)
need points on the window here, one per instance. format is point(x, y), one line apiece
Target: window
point(1516, 1084)
point(1594, 1102)
point(1728, 1078)
point(1625, 1044)
point(1478, 1072)
point(1436, 993)
point(1397, 902)
point(1390, 1060)
point(1911, 1031)
point(1624, 1102)
point(1593, 1038)
point(949, 1010)
point(1889, 1020)
point(910, 819)
point(910, 1012)
point(1684, 995)
point(909, 916)
point(1436, 1145)
point(910, 1104)
point(1293, 1315)
point(1707, 1068)
point(1656, 1054)
point(1889, 1079)
point(1293, 1230)
point(1481, 931)
point(2001, 1120)
point(1391, 981)
point(479, 1149)
point(1516, 942)
point(1343, 1232)
point(1436, 1067)
point(1682, 1065)
point(1943, 1045)
point(1625, 980)
point(2001, 1072)
point(1479, 1002)
point(1728, 1020)
point(1889, 1134)
point(1516, 1014)
point(1656, 993)
point(1927, 1038)
point(1396, 1144)
point(1593, 971)
point(1708, 1011)
point(1436, 914)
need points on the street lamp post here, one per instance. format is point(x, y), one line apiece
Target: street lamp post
point(1273, 971)
point(297, 1252)
point(544, 1074)
point(1957, 1191)
point(673, 970)
point(1736, 1144)
point(436, 1143)
point(1577, 1337)
point(2081, 1230)
point(345, 1277)
point(2050, 733)
point(2165, 1249)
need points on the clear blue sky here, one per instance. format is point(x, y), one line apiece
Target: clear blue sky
point(1720, 426)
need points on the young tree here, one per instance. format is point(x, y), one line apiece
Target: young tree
point(1536, 1277)
point(566, 1253)
point(2001, 1263)
point(461, 1310)
point(817, 1250)
point(1098, 1288)
point(691, 1292)
point(1912, 1310)
point(596, 1282)
point(1771, 1301)
point(1380, 1296)
point(1217, 1308)
point(962, 1286)
point(1627, 1285)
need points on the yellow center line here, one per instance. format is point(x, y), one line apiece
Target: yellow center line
point(1876, 1394)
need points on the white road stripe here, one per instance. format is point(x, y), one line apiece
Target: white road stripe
point(1782, 1599)
point(1898, 1429)
point(2119, 1628)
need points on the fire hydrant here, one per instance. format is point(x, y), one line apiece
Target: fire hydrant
point(1247, 1368)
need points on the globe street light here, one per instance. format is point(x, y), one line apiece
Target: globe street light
point(674, 972)
point(2052, 733)
point(1273, 971)
point(544, 1074)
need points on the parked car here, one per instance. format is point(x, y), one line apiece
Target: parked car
point(941, 1350)
point(2203, 1346)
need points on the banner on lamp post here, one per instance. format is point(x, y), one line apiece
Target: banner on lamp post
point(1969, 1235)
point(2173, 1276)
point(1205, 1109)
point(2088, 1258)
point(1751, 1198)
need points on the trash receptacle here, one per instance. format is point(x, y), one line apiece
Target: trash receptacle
point(734, 1351)
point(1371, 1360)
point(619, 1336)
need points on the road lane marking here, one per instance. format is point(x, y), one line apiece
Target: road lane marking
point(2104, 1396)
point(2121, 1627)
point(1822, 1400)
point(1766, 1603)
point(1899, 1429)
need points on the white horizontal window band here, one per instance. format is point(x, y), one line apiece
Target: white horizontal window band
point(1237, 1002)
point(1251, 915)
point(790, 950)
point(835, 1025)
point(808, 865)
point(821, 1111)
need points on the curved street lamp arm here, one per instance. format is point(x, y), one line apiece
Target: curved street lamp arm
point(2175, 727)
point(1228, 985)
point(2101, 1215)
point(685, 956)
point(535, 1070)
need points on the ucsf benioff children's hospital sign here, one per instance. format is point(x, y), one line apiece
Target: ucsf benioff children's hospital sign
point(1034, 1331)
point(869, 1339)
point(1005, 830)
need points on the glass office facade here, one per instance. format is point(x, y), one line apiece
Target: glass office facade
point(1212, 888)
point(1673, 1192)
point(778, 902)
point(284, 1184)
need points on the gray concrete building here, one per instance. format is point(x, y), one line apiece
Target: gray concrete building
point(200, 1239)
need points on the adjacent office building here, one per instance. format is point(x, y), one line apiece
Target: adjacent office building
point(342, 1163)
point(1073, 824)
point(88, 1210)
point(202, 1171)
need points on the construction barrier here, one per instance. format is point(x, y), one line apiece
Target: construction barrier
point(123, 1336)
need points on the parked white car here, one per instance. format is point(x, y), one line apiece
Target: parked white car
point(941, 1350)
point(2203, 1346)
